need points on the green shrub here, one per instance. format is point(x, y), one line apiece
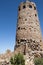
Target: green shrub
point(17, 60)
point(38, 61)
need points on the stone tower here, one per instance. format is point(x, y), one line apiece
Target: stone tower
point(28, 34)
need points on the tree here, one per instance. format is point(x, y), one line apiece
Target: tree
point(38, 61)
point(18, 59)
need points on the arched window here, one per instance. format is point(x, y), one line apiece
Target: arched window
point(30, 6)
point(35, 14)
point(23, 40)
point(24, 7)
point(18, 28)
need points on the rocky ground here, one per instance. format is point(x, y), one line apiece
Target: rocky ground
point(4, 58)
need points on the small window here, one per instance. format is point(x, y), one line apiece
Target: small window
point(22, 40)
point(35, 14)
point(18, 41)
point(18, 27)
point(34, 8)
point(34, 41)
point(30, 6)
point(22, 28)
point(40, 49)
point(24, 6)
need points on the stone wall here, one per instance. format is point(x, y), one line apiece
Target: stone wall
point(28, 27)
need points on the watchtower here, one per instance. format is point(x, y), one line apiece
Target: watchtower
point(28, 34)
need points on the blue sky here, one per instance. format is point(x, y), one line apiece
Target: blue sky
point(8, 21)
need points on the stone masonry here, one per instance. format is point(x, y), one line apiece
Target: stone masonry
point(28, 34)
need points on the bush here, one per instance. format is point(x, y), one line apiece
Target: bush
point(38, 61)
point(17, 60)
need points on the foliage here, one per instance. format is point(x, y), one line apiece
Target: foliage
point(18, 59)
point(38, 61)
